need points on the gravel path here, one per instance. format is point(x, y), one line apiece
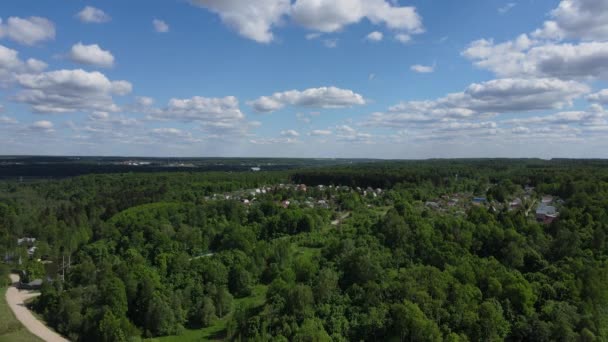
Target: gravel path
point(16, 299)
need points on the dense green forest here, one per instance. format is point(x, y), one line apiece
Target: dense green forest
point(444, 250)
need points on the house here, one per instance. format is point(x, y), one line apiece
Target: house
point(26, 240)
point(546, 213)
point(547, 199)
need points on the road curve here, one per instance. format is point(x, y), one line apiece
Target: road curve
point(16, 301)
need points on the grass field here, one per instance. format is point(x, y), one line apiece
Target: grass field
point(216, 332)
point(11, 330)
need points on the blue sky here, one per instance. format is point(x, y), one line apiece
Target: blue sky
point(304, 78)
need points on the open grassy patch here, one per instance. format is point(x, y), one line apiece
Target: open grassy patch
point(217, 331)
point(11, 329)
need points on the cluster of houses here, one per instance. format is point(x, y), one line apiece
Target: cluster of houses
point(249, 196)
point(546, 211)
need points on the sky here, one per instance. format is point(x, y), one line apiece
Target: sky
point(390, 79)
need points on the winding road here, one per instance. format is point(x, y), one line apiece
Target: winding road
point(16, 301)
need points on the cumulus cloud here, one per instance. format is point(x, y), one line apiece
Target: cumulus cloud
point(423, 69)
point(28, 31)
point(67, 91)
point(174, 135)
point(594, 116)
point(599, 97)
point(290, 133)
point(506, 8)
point(11, 65)
point(375, 36)
point(524, 57)
point(160, 26)
point(91, 55)
point(331, 16)
point(324, 97)
point(42, 126)
point(257, 18)
point(403, 38)
point(94, 15)
point(7, 120)
point(320, 133)
point(254, 19)
point(218, 117)
point(346, 133)
point(144, 101)
point(482, 100)
point(273, 141)
point(577, 19)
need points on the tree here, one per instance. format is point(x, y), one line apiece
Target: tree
point(409, 323)
point(492, 324)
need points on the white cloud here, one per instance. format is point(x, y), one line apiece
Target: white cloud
point(330, 43)
point(506, 8)
point(160, 26)
point(93, 15)
point(290, 133)
point(347, 133)
point(173, 135)
point(11, 65)
point(43, 125)
point(529, 58)
point(218, 117)
point(66, 91)
point(320, 133)
point(424, 69)
point(599, 97)
point(577, 19)
point(7, 120)
point(403, 38)
point(254, 19)
point(375, 36)
point(144, 101)
point(324, 97)
point(273, 141)
point(28, 31)
point(593, 116)
point(484, 100)
point(257, 18)
point(91, 55)
point(332, 15)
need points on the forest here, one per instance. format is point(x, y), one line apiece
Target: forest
point(437, 250)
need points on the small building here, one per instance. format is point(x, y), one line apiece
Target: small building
point(546, 213)
point(256, 169)
point(547, 199)
point(285, 204)
point(26, 240)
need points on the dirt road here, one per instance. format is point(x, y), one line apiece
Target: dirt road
point(16, 299)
